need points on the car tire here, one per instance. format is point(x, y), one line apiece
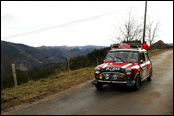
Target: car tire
point(150, 75)
point(137, 83)
point(99, 86)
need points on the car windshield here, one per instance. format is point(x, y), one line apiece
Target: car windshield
point(120, 56)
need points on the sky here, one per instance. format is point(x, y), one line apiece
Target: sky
point(78, 23)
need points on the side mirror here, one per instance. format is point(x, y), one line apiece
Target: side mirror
point(141, 61)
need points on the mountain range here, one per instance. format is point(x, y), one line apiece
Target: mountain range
point(26, 57)
point(161, 45)
point(170, 44)
point(61, 52)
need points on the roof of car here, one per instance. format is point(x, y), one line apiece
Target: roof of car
point(138, 50)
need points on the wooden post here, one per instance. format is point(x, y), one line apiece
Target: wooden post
point(14, 74)
point(68, 64)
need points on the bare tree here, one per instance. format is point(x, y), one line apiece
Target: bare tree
point(130, 31)
point(152, 31)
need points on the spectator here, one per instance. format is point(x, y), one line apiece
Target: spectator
point(145, 46)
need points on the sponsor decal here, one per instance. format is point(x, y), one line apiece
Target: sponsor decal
point(124, 45)
point(112, 69)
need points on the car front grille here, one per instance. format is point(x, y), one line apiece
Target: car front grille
point(113, 76)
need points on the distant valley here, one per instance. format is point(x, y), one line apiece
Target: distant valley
point(27, 57)
point(61, 52)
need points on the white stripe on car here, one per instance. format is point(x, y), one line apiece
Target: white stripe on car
point(126, 65)
point(105, 65)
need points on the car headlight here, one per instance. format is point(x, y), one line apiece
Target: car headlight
point(128, 71)
point(97, 70)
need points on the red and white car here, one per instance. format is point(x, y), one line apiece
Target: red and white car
point(124, 65)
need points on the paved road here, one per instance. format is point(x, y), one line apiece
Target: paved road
point(153, 98)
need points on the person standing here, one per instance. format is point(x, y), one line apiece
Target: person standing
point(146, 47)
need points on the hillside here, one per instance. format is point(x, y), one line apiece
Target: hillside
point(160, 45)
point(25, 57)
point(62, 52)
point(170, 44)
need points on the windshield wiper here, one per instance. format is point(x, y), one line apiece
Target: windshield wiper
point(119, 58)
point(111, 57)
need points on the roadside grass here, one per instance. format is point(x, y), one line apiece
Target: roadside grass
point(34, 90)
point(157, 51)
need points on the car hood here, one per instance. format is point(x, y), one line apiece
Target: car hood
point(117, 65)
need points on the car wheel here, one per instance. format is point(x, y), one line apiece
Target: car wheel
point(99, 86)
point(150, 75)
point(137, 83)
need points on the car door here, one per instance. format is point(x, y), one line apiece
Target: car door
point(148, 65)
point(143, 71)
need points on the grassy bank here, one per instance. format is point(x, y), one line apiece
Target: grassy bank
point(34, 90)
point(157, 51)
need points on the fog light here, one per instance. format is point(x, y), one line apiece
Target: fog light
point(114, 77)
point(100, 76)
point(122, 77)
point(107, 76)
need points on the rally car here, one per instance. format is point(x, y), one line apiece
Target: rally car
point(125, 64)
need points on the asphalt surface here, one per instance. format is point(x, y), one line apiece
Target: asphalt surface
point(153, 98)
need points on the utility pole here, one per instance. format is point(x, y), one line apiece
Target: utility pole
point(144, 30)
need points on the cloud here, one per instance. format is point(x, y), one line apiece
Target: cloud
point(8, 18)
point(21, 17)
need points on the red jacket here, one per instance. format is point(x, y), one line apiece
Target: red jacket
point(145, 46)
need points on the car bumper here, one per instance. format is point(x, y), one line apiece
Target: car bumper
point(129, 83)
point(102, 81)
